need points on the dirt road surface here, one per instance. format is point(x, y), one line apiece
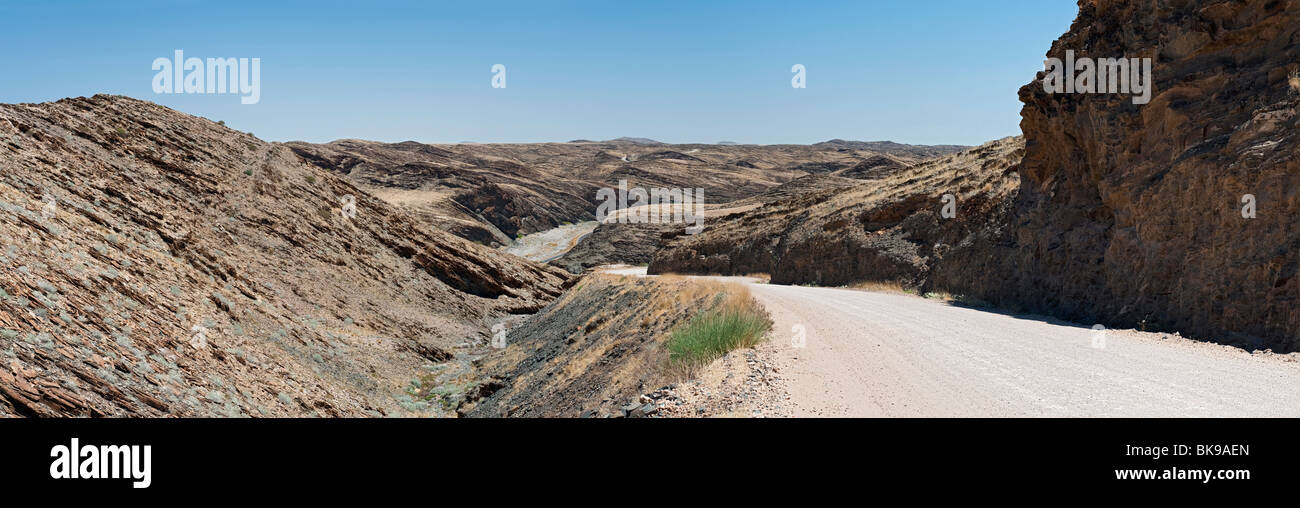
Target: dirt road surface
point(883, 354)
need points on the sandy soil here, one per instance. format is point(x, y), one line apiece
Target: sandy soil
point(879, 354)
point(552, 243)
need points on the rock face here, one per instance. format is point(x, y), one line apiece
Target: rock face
point(608, 244)
point(888, 229)
point(1132, 215)
point(158, 264)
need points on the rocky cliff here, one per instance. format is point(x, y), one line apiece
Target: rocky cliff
point(154, 263)
point(1133, 214)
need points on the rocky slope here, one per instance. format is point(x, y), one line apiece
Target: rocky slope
point(479, 196)
point(894, 149)
point(493, 193)
point(635, 244)
point(157, 264)
point(611, 244)
point(1131, 214)
point(887, 229)
point(597, 350)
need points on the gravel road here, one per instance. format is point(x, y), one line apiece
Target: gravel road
point(881, 354)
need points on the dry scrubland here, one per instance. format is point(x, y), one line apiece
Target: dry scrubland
point(612, 339)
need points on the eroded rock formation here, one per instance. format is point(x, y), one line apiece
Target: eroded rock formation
point(1131, 214)
point(155, 263)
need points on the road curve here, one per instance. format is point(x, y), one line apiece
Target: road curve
point(879, 354)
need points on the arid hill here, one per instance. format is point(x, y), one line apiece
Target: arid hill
point(887, 229)
point(493, 193)
point(635, 244)
point(894, 149)
point(466, 190)
point(156, 264)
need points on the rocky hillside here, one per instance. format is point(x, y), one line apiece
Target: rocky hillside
point(480, 197)
point(894, 149)
point(635, 244)
point(156, 264)
point(493, 193)
point(887, 229)
point(599, 351)
point(1132, 214)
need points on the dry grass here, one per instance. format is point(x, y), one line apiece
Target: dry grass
point(880, 286)
point(957, 299)
point(935, 294)
point(712, 317)
point(941, 295)
point(731, 320)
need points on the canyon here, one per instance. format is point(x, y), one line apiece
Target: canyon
point(161, 264)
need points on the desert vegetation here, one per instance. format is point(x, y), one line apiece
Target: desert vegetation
point(734, 321)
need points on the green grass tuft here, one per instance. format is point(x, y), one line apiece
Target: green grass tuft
point(713, 333)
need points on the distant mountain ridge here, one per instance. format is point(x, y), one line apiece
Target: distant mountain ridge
point(892, 148)
point(638, 141)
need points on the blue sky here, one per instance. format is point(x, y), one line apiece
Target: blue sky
point(934, 72)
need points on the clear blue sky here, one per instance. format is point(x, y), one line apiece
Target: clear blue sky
point(932, 72)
